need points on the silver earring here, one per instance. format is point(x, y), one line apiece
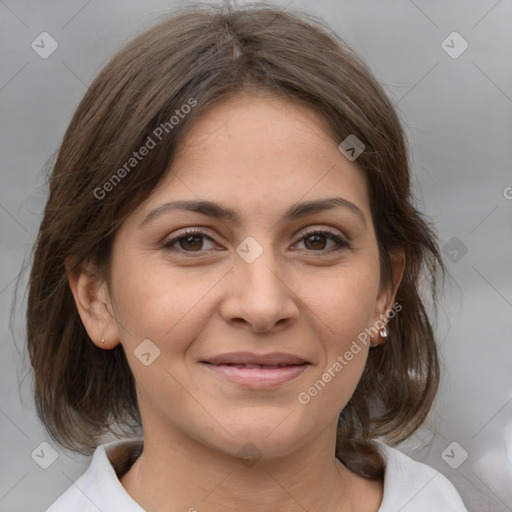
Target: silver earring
point(102, 339)
point(383, 331)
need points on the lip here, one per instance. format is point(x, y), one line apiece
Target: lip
point(270, 359)
point(256, 371)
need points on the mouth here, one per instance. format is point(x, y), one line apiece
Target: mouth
point(252, 371)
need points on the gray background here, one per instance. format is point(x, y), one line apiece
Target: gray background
point(458, 117)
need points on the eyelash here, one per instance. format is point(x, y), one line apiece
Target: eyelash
point(197, 232)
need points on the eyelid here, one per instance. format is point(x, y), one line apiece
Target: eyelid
point(312, 230)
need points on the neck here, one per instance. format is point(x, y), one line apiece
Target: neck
point(192, 476)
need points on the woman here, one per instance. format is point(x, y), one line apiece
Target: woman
point(230, 259)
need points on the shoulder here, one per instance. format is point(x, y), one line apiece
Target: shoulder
point(99, 487)
point(411, 486)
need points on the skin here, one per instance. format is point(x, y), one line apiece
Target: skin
point(258, 155)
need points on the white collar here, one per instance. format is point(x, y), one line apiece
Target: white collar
point(408, 485)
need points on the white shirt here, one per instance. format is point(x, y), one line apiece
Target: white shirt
point(409, 486)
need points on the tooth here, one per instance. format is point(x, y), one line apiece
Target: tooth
point(253, 366)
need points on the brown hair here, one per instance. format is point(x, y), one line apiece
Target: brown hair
point(205, 53)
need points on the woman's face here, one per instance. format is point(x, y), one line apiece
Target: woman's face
point(205, 318)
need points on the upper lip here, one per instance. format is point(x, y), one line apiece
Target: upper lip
point(271, 359)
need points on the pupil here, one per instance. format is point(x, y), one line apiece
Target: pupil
point(316, 239)
point(192, 237)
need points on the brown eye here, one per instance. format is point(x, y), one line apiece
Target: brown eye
point(317, 240)
point(190, 241)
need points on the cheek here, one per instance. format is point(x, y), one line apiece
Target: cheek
point(344, 304)
point(153, 301)
point(167, 306)
point(341, 309)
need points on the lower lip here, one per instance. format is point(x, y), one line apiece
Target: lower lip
point(257, 378)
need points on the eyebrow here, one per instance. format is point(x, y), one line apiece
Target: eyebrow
point(221, 212)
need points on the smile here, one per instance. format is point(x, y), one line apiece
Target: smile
point(257, 376)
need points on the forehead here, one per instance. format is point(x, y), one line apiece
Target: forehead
point(262, 124)
point(261, 153)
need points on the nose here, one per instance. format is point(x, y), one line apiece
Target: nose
point(259, 295)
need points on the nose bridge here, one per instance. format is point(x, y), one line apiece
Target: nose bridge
point(260, 295)
point(259, 263)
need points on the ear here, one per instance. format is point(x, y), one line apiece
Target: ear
point(94, 305)
point(386, 297)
